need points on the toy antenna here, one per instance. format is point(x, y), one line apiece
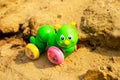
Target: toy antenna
point(73, 24)
point(57, 26)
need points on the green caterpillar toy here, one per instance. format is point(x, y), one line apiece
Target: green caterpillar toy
point(58, 43)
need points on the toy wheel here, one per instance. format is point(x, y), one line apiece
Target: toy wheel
point(32, 51)
point(55, 55)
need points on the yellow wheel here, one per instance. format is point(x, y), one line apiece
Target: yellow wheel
point(32, 51)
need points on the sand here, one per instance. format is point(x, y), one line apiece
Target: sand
point(98, 55)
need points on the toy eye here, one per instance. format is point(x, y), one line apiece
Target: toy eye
point(69, 36)
point(62, 37)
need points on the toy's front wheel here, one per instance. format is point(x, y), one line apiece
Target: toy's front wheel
point(32, 51)
point(55, 55)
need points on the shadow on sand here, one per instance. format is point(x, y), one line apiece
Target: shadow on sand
point(41, 62)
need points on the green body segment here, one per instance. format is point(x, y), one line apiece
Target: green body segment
point(41, 39)
point(65, 38)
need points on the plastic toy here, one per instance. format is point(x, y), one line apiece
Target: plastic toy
point(58, 42)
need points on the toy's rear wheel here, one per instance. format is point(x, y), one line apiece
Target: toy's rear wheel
point(55, 55)
point(32, 51)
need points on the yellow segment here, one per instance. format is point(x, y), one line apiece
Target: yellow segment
point(31, 49)
point(66, 42)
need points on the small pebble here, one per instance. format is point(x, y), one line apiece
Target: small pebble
point(59, 16)
point(101, 68)
point(112, 59)
point(109, 68)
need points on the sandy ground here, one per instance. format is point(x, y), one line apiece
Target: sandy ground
point(15, 65)
point(86, 64)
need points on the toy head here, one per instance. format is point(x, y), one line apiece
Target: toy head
point(66, 36)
